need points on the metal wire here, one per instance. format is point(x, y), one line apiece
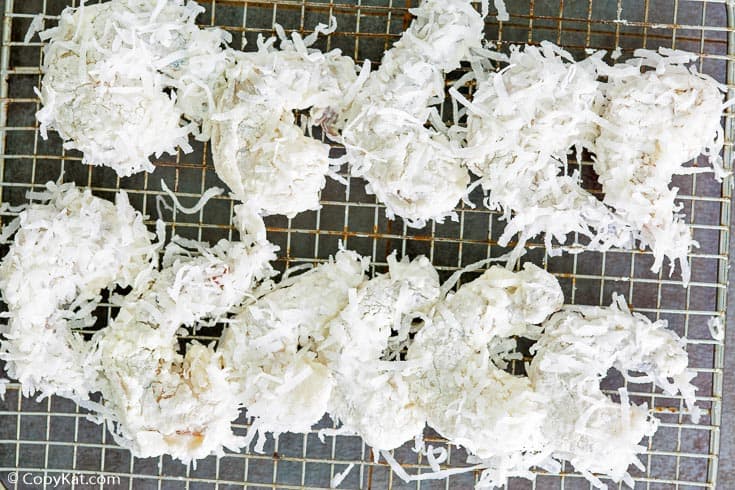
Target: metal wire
point(52, 437)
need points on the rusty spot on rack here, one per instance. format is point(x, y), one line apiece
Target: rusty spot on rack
point(347, 233)
point(665, 410)
point(388, 240)
point(370, 470)
point(407, 15)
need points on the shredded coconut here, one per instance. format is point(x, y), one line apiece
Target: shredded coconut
point(203, 200)
point(716, 325)
point(259, 150)
point(273, 347)
point(37, 24)
point(340, 477)
point(66, 252)
point(500, 6)
point(413, 169)
point(107, 68)
point(650, 125)
point(157, 400)
point(3, 387)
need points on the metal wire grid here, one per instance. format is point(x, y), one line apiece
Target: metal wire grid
point(52, 436)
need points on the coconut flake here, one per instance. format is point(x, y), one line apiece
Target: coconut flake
point(503, 15)
point(3, 387)
point(107, 68)
point(413, 169)
point(66, 251)
point(37, 25)
point(521, 123)
point(203, 200)
point(340, 477)
point(259, 151)
point(716, 326)
point(651, 124)
point(273, 346)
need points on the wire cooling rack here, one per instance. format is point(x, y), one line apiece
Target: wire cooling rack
point(52, 437)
